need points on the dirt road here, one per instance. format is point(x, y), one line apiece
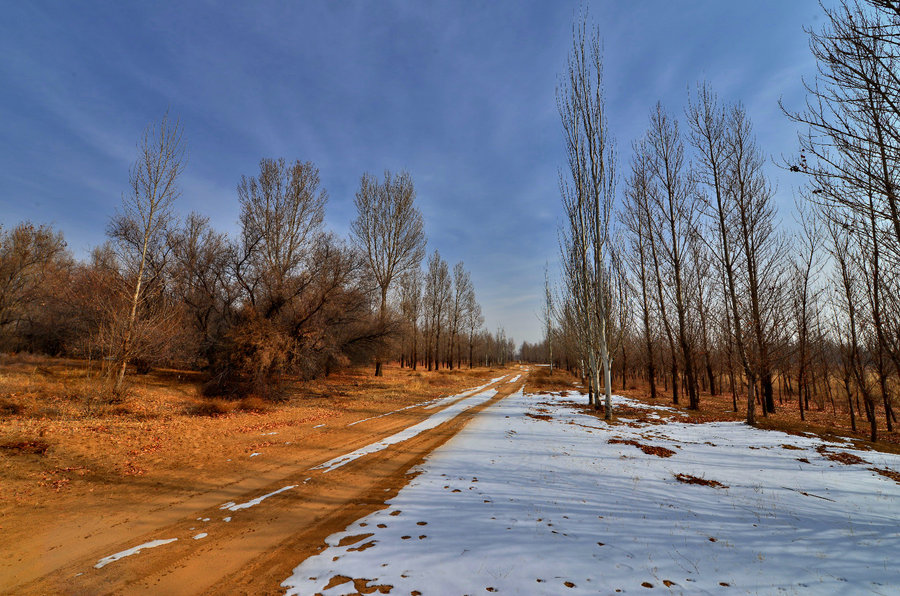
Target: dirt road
point(245, 537)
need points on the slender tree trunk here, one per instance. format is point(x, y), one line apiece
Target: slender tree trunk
point(135, 300)
point(382, 319)
point(674, 368)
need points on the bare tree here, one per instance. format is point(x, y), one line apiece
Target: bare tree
point(547, 317)
point(139, 229)
point(201, 280)
point(750, 251)
point(389, 230)
point(642, 202)
point(588, 193)
point(805, 267)
point(462, 287)
point(27, 254)
point(473, 321)
point(848, 298)
point(675, 219)
point(763, 250)
point(282, 211)
point(636, 224)
point(437, 297)
point(853, 111)
point(411, 309)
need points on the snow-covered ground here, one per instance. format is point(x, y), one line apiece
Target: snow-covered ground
point(531, 498)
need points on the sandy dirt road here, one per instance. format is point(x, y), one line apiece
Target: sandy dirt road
point(260, 544)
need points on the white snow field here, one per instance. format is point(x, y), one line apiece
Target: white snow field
point(521, 505)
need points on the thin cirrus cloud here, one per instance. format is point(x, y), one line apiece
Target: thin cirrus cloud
point(460, 94)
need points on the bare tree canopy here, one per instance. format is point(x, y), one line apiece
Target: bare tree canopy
point(139, 229)
point(26, 252)
point(282, 210)
point(588, 194)
point(389, 231)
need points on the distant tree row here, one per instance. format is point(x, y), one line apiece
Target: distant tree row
point(691, 282)
point(283, 297)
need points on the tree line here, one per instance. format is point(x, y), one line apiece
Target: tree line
point(687, 279)
point(282, 297)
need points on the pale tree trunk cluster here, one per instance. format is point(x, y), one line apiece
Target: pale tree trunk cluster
point(594, 291)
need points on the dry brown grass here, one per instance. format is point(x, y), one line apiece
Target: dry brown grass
point(62, 429)
point(648, 449)
point(689, 479)
point(541, 381)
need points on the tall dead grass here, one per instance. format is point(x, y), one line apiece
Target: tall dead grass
point(541, 381)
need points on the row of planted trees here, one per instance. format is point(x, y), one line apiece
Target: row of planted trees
point(692, 282)
point(282, 297)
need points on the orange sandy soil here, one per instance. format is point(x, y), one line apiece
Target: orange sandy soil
point(82, 478)
point(824, 422)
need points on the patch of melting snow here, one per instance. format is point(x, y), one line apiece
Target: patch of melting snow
point(432, 421)
point(530, 506)
point(226, 519)
point(131, 551)
point(436, 403)
point(256, 501)
point(254, 454)
point(201, 535)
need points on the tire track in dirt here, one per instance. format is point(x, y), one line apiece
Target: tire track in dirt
point(259, 546)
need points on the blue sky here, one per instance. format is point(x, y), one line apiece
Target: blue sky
point(461, 94)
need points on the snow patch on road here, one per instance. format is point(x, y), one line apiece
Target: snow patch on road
point(253, 502)
point(442, 401)
point(131, 551)
point(431, 422)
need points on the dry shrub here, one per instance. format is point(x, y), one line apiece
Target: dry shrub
point(121, 410)
point(31, 447)
point(541, 381)
point(10, 408)
point(253, 404)
point(251, 361)
point(212, 408)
